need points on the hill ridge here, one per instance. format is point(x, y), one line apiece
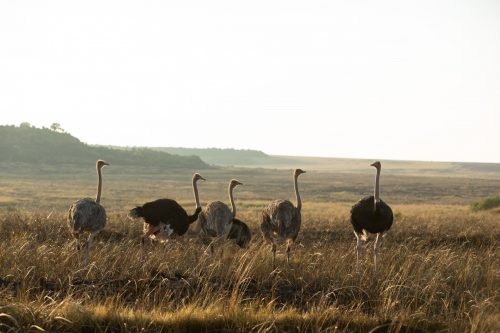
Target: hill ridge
point(32, 145)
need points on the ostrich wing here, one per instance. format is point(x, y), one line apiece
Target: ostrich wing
point(86, 215)
point(162, 211)
point(217, 218)
point(364, 216)
point(283, 218)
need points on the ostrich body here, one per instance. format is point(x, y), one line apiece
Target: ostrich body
point(165, 217)
point(281, 220)
point(371, 214)
point(88, 215)
point(216, 219)
point(240, 232)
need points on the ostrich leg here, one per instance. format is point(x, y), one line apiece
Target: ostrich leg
point(150, 231)
point(273, 249)
point(89, 244)
point(77, 241)
point(376, 247)
point(359, 247)
point(288, 249)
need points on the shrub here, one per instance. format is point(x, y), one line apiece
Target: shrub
point(486, 203)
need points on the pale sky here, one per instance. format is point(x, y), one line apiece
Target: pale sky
point(415, 80)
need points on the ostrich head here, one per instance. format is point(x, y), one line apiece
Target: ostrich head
point(234, 183)
point(197, 177)
point(100, 164)
point(298, 172)
point(376, 164)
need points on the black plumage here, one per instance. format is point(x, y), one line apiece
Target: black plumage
point(374, 218)
point(168, 212)
point(165, 217)
point(372, 215)
point(240, 232)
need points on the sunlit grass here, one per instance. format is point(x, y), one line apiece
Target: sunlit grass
point(440, 271)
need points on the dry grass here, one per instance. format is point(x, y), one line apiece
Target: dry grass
point(440, 263)
point(440, 272)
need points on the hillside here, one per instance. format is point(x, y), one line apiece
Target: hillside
point(31, 145)
point(259, 159)
point(223, 157)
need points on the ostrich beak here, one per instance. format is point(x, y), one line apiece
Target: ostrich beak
point(202, 178)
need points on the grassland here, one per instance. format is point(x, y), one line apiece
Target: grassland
point(440, 263)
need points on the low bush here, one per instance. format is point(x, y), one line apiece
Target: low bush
point(486, 203)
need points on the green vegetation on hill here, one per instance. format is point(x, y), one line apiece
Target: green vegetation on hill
point(220, 156)
point(31, 145)
point(486, 203)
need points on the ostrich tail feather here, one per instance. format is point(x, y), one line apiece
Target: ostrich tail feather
point(135, 213)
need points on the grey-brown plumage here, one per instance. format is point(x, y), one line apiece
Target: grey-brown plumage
point(371, 214)
point(88, 215)
point(281, 220)
point(216, 219)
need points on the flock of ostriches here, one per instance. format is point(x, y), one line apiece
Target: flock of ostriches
point(280, 221)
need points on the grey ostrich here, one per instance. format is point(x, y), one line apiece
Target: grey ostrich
point(216, 219)
point(281, 219)
point(88, 215)
point(371, 214)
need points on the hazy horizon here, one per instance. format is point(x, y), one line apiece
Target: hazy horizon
point(253, 149)
point(415, 81)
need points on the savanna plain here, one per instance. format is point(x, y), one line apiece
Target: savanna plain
point(439, 269)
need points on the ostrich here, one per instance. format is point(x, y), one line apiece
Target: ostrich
point(88, 215)
point(371, 214)
point(240, 233)
point(218, 220)
point(166, 216)
point(280, 219)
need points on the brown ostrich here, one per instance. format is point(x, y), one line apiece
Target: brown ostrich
point(88, 215)
point(218, 220)
point(281, 220)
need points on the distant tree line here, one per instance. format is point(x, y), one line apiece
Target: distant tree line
point(227, 156)
point(53, 145)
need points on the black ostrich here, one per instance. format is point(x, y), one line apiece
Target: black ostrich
point(372, 215)
point(165, 217)
point(240, 232)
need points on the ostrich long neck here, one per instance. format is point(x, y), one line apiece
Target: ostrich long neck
point(196, 195)
point(377, 187)
point(231, 199)
point(99, 186)
point(297, 194)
